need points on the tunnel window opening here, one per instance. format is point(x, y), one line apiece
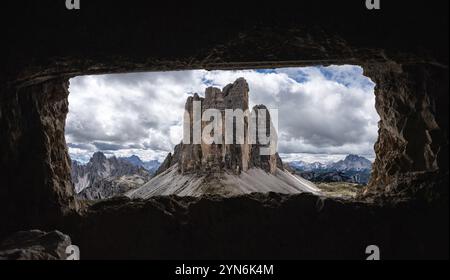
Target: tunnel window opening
point(123, 132)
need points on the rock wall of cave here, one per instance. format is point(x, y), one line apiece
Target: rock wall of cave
point(412, 147)
point(411, 152)
point(406, 58)
point(258, 226)
point(36, 188)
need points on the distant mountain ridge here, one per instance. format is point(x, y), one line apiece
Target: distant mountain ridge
point(352, 169)
point(151, 166)
point(104, 177)
point(353, 162)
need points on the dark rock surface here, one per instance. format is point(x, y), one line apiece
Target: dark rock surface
point(161, 36)
point(259, 226)
point(407, 59)
point(412, 101)
point(35, 245)
point(36, 188)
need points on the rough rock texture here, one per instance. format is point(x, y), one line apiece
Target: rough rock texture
point(215, 157)
point(412, 101)
point(193, 36)
point(35, 245)
point(258, 226)
point(35, 165)
point(406, 57)
point(230, 156)
point(270, 163)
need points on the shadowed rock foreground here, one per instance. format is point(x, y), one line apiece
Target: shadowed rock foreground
point(35, 245)
point(406, 208)
point(258, 226)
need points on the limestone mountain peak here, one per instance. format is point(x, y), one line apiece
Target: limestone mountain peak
point(220, 167)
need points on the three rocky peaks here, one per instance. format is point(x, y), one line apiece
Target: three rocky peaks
point(234, 158)
point(197, 169)
point(223, 169)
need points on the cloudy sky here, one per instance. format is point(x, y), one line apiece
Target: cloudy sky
point(325, 113)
